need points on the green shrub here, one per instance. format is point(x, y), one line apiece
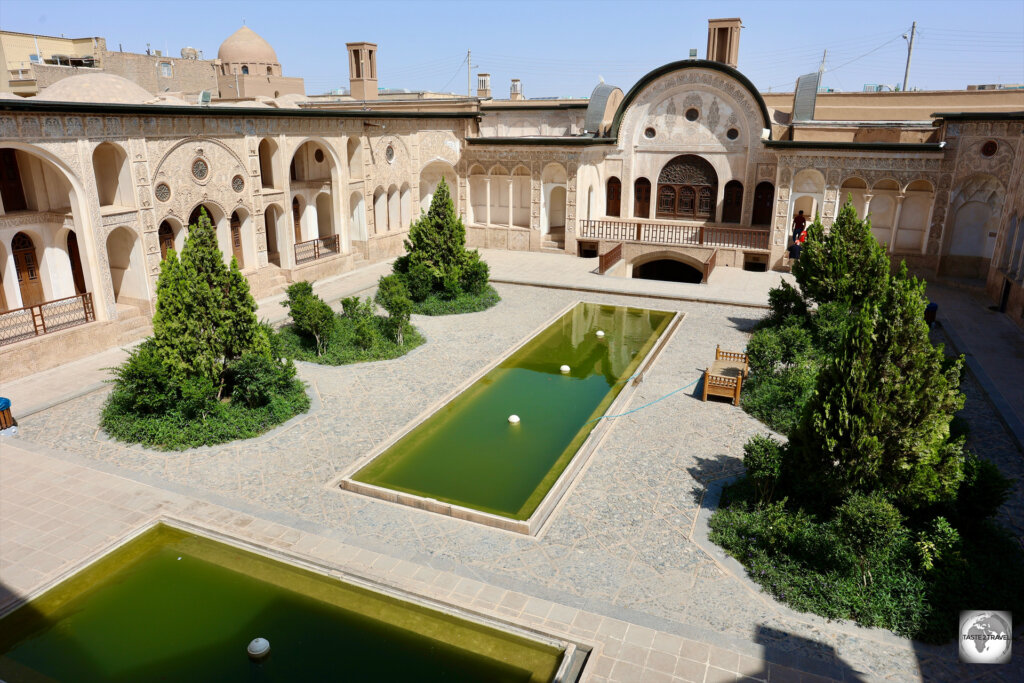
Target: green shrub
point(256, 379)
point(435, 304)
point(475, 274)
point(360, 317)
point(393, 297)
point(310, 315)
point(143, 384)
point(983, 490)
point(420, 281)
point(451, 283)
point(778, 399)
point(762, 458)
point(784, 302)
point(871, 527)
point(771, 347)
point(937, 544)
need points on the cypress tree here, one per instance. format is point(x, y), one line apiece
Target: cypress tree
point(204, 311)
point(438, 238)
point(847, 264)
point(879, 417)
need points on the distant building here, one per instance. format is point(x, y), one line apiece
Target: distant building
point(690, 170)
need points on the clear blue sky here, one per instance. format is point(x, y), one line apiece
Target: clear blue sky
point(562, 48)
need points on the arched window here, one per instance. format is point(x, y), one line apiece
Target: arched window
point(245, 71)
point(270, 71)
point(165, 236)
point(613, 197)
point(732, 202)
point(764, 197)
point(642, 198)
point(694, 184)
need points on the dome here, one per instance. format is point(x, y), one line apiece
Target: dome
point(244, 46)
point(95, 87)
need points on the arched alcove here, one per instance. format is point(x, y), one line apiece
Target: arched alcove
point(113, 176)
point(687, 189)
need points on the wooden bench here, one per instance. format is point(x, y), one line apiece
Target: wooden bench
point(725, 376)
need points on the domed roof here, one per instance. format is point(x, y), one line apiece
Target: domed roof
point(244, 46)
point(95, 87)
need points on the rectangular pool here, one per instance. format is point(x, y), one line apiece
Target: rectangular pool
point(467, 453)
point(170, 605)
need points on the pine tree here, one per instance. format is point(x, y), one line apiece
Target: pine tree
point(847, 264)
point(204, 311)
point(239, 328)
point(879, 418)
point(438, 238)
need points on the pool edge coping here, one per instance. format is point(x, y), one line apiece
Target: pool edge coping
point(536, 523)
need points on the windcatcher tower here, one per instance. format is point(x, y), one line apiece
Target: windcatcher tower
point(362, 70)
point(724, 40)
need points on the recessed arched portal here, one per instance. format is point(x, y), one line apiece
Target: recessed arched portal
point(642, 198)
point(127, 271)
point(687, 188)
point(668, 269)
point(764, 197)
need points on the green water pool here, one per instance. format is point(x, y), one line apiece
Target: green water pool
point(468, 454)
point(171, 606)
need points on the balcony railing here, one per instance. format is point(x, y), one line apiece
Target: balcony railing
point(311, 250)
point(49, 316)
point(670, 233)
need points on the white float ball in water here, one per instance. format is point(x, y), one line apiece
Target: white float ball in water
point(600, 333)
point(565, 369)
point(258, 648)
point(513, 419)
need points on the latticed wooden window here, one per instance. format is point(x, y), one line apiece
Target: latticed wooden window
point(667, 200)
point(704, 207)
point(686, 196)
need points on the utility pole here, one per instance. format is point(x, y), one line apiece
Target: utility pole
point(910, 51)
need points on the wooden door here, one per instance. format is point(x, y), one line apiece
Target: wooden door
point(165, 236)
point(732, 202)
point(76, 263)
point(614, 197)
point(764, 195)
point(27, 266)
point(642, 198)
point(236, 239)
point(10, 182)
point(296, 221)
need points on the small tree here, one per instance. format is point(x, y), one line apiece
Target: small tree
point(204, 315)
point(879, 417)
point(310, 314)
point(847, 264)
point(393, 296)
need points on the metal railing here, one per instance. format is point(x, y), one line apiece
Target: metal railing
point(311, 250)
point(670, 233)
point(49, 316)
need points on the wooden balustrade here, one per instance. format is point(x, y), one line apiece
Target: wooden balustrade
point(49, 316)
point(675, 234)
point(609, 258)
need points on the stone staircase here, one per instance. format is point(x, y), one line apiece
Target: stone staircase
point(132, 323)
point(554, 240)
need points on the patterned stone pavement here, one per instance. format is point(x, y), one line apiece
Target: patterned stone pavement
point(621, 545)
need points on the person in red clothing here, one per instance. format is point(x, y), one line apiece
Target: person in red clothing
point(799, 223)
point(798, 241)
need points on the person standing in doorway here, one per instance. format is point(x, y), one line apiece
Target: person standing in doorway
point(799, 223)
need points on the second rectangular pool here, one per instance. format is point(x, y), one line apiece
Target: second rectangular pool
point(468, 454)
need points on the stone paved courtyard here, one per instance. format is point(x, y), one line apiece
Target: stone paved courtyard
point(621, 546)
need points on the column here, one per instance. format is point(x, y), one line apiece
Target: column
point(487, 212)
point(928, 225)
point(511, 198)
point(867, 205)
point(896, 221)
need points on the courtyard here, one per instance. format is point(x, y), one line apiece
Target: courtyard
point(622, 565)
